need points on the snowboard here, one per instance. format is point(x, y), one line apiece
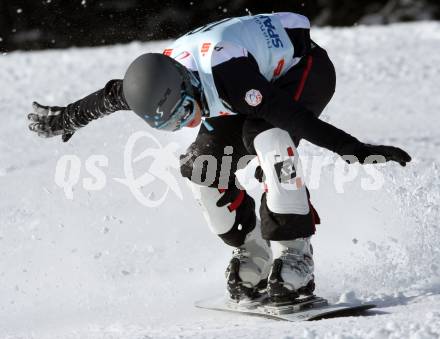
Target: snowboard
point(306, 308)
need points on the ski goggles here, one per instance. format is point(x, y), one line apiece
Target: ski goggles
point(182, 114)
point(185, 109)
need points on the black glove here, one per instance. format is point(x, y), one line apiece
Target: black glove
point(49, 122)
point(389, 153)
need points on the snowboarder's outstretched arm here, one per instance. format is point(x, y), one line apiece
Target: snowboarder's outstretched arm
point(52, 121)
point(236, 77)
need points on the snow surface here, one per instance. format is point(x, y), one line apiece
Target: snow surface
point(104, 266)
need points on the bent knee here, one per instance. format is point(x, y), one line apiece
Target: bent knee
point(278, 227)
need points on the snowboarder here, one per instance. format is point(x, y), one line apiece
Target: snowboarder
point(259, 84)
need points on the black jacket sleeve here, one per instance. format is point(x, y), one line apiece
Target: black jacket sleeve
point(96, 105)
point(237, 76)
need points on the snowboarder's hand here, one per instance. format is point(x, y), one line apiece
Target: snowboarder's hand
point(48, 122)
point(365, 154)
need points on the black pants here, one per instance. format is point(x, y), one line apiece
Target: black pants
point(312, 82)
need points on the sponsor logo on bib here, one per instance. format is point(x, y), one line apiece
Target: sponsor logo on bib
point(253, 97)
point(205, 48)
point(269, 31)
point(168, 51)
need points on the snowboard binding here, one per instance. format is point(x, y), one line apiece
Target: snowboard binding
point(278, 293)
point(239, 290)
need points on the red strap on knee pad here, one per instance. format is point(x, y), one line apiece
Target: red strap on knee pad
point(237, 201)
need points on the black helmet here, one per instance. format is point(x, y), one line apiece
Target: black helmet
point(161, 91)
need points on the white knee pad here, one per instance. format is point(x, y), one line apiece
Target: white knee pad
point(279, 159)
point(220, 219)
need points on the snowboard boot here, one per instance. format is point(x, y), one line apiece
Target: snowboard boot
point(292, 270)
point(249, 267)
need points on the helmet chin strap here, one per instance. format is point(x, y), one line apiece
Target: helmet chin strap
point(204, 105)
point(200, 96)
point(201, 100)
